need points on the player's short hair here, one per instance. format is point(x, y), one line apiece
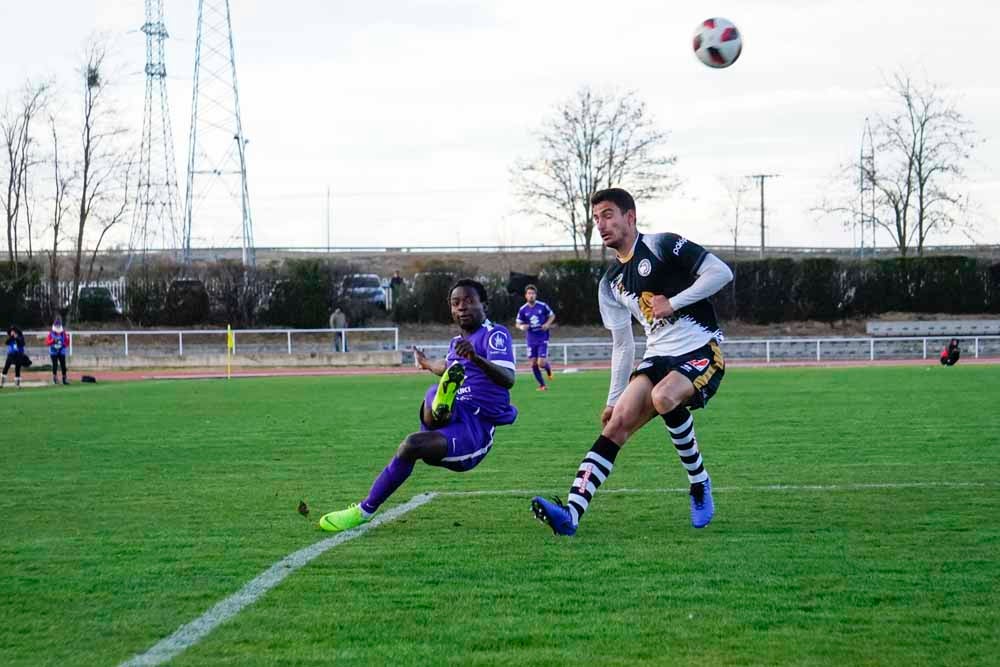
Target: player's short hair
point(531, 287)
point(617, 196)
point(469, 282)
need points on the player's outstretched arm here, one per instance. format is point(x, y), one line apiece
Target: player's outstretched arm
point(436, 366)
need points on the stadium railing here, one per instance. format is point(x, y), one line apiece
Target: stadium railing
point(776, 350)
point(217, 339)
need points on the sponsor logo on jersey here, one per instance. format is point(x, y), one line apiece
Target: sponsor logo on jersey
point(685, 367)
point(700, 364)
point(498, 341)
point(644, 365)
point(644, 268)
point(646, 306)
point(677, 246)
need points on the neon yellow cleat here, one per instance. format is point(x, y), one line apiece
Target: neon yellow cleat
point(335, 522)
point(447, 389)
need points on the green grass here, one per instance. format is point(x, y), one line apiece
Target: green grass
point(131, 509)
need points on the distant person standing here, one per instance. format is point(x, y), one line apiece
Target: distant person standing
point(535, 318)
point(15, 355)
point(338, 320)
point(58, 342)
point(950, 354)
point(395, 286)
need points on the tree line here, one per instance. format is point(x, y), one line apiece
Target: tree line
point(67, 174)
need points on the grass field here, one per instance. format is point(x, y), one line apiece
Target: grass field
point(131, 509)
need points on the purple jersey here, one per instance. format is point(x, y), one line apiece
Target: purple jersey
point(491, 342)
point(535, 316)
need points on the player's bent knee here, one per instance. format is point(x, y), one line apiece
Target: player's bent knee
point(663, 400)
point(412, 448)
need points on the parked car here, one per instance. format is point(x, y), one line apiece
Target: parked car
point(98, 304)
point(364, 287)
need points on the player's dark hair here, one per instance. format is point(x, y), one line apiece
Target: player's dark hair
point(530, 287)
point(617, 196)
point(469, 282)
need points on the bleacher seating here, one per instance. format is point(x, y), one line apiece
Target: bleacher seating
point(935, 328)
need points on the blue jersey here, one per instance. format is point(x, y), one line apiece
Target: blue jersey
point(535, 316)
point(15, 344)
point(491, 342)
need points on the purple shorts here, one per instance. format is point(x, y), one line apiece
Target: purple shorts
point(469, 437)
point(538, 350)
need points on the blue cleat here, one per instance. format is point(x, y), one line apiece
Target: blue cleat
point(555, 514)
point(702, 505)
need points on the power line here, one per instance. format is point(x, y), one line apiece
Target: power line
point(216, 146)
point(154, 221)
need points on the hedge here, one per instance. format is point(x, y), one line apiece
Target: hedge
point(763, 291)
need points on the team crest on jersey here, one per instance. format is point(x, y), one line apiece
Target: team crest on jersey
point(645, 267)
point(498, 341)
point(700, 364)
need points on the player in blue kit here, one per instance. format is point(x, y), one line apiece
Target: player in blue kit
point(535, 318)
point(459, 414)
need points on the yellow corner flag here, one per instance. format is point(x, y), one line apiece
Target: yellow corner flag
point(230, 350)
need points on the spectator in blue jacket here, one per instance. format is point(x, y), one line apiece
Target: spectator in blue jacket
point(58, 342)
point(15, 355)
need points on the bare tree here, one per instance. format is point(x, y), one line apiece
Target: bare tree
point(920, 153)
point(736, 192)
point(19, 151)
point(60, 207)
point(591, 142)
point(105, 164)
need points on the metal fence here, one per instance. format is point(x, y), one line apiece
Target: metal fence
point(309, 341)
point(213, 341)
point(776, 350)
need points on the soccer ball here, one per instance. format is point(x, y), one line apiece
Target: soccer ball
point(717, 42)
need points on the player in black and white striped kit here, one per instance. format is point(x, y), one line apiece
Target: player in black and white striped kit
point(663, 281)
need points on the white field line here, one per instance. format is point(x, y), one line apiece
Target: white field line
point(191, 633)
point(738, 489)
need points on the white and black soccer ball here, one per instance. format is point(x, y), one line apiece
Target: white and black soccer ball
point(717, 42)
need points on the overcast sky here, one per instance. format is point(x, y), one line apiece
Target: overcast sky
point(414, 112)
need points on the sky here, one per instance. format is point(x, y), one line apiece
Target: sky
point(413, 113)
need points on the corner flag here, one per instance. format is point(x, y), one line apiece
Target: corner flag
point(230, 350)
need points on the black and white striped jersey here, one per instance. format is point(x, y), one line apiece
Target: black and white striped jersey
point(664, 264)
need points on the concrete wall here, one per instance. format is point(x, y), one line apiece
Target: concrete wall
point(107, 362)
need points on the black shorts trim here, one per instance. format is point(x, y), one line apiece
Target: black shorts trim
point(705, 367)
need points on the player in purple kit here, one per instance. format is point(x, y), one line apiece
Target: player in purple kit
point(535, 318)
point(459, 414)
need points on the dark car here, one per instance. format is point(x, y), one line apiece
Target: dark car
point(98, 304)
